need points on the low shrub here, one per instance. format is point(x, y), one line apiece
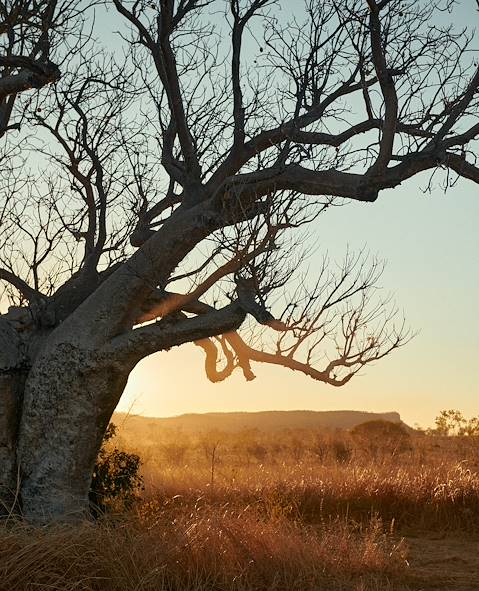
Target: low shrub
point(116, 480)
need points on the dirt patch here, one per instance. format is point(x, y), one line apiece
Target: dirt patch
point(444, 564)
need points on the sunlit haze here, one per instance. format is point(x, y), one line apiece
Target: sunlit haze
point(429, 241)
point(431, 244)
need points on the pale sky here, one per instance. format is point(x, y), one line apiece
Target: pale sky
point(431, 245)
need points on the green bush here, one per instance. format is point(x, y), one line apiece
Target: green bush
point(116, 480)
point(452, 423)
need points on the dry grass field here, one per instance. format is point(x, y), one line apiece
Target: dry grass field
point(290, 510)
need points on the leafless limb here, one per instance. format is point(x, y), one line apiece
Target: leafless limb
point(30, 35)
point(183, 176)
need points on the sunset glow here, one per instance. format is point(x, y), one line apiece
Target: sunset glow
point(431, 246)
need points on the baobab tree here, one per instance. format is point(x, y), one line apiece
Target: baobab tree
point(161, 198)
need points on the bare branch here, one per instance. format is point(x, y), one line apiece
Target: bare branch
point(388, 90)
point(174, 331)
point(30, 294)
point(176, 182)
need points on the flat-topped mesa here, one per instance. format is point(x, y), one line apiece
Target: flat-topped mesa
point(273, 420)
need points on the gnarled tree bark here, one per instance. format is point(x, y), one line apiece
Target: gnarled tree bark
point(70, 395)
point(12, 378)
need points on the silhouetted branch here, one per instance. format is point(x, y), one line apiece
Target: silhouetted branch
point(30, 294)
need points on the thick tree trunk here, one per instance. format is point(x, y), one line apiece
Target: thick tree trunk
point(70, 395)
point(11, 395)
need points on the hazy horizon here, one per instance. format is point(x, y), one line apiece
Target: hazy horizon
point(431, 247)
point(271, 410)
point(430, 242)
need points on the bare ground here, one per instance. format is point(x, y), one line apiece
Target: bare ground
point(442, 563)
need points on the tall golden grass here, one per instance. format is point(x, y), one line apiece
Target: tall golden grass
point(434, 498)
point(200, 550)
point(295, 511)
point(432, 484)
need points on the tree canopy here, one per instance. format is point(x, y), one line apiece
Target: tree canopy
point(259, 118)
point(157, 184)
